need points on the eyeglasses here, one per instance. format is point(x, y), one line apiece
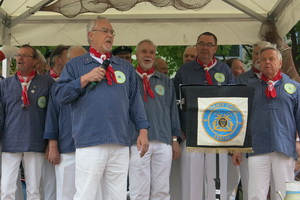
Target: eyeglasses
point(23, 55)
point(106, 31)
point(209, 45)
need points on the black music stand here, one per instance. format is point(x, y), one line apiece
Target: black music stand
point(189, 94)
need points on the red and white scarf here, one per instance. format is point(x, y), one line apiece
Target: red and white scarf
point(270, 90)
point(146, 82)
point(24, 81)
point(207, 67)
point(257, 72)
point(110, 73)
point(53, 74)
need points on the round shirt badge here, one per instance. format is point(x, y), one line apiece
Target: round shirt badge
point(219, 77)
point(120, 76)
point(290, 88)
point(42, 102)
point(222, 121)
point(159, 89)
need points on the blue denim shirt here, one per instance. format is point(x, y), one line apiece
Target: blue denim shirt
point(246, 77)
point(162, 111)
point(274, 121)
point(58, 123)
point(22, 129)
point(102, 115)
point(192, 73)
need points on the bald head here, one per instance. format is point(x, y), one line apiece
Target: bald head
point(75, 51)
point(161, 65)
point(189, 54)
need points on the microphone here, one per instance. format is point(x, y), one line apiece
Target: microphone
point(104, 65)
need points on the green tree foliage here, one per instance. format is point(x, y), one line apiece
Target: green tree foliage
point(172, 55)
point(223, 51)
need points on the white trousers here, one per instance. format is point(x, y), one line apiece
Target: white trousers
point(19, 192)
point(198, 171)
point(262, 167)
point(32, 163)
point(149, 175)
point(235, 173)
point(108, 162)
point(65, 177)
point(48, 181)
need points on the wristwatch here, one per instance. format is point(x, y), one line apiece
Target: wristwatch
point(175, 139)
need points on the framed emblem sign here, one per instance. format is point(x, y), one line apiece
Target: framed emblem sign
point(216, 117)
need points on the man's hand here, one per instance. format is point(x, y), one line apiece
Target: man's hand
point(176, 150)
point(237, 159)
point(96, 75)
point(53, 155)
point(142, 142)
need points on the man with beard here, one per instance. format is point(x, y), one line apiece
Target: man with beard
point(23, 110)
point(199, 168)
point(254, 73)
point(101, 111)
point(149, 175)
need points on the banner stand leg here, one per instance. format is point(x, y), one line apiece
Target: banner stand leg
point(217, 179)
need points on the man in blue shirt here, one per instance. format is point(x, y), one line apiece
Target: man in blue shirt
point(58, 132)
point(101, 114)
point(273, 125)
point(241, 171)
point(149, 175)
point(198, 168)
point(23, 109)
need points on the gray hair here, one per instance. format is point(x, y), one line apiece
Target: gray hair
point(279, 56)
point(74, 48)
point(145, 41)
point(92, 23)
point(190, 47)
point(41, 57)
point(263, 44)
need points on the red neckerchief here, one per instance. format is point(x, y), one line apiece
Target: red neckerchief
point(256, 71)
point(110, 73)
point(146, 82)
point(207, 68)
point(24, 81)
point(100, 55)
point(270, 90)
point(53, 74)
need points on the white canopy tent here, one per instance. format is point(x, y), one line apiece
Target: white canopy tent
point(233, 21)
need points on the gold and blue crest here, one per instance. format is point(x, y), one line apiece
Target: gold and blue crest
point(222, 121)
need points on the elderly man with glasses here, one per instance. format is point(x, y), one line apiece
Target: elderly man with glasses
point(199, 168)
point(23, 110)
point(104, 96)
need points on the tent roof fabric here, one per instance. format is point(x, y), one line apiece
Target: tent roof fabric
point(233, 21)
